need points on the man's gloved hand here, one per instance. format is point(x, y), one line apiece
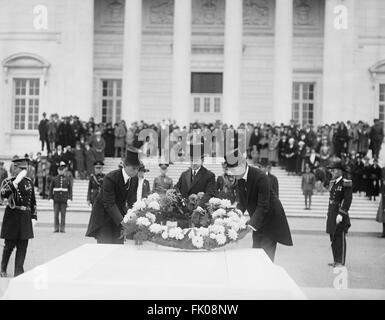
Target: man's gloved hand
point(338, 219)
point(22, 174)
point(34, 223)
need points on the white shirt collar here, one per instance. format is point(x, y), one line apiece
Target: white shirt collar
point(196, 171)
point(246, 173)
point(126, 177)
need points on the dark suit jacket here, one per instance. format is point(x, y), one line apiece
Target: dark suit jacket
point(146, 190)
point(274, 183)
point(265, 209)
point(204, 182)
point(112, 202)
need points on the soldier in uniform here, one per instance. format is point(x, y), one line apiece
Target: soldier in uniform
point(143, 185)
point(163, 182)
point(338, 221)
point(95, 183)
point(60, 192)
point(17, 226)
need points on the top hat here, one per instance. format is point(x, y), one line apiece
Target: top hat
point(235, 163)
point(21, 163)
point(336, 165)
point(98, 164)
point(132, 157)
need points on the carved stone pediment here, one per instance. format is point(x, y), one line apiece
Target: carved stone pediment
point(161, 12)
point(209, 12)
point(256, 12)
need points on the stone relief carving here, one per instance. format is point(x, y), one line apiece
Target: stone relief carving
point(303, 13)
point(162, 12)
point(256, 12)
point(115, 11)
point(209, 12)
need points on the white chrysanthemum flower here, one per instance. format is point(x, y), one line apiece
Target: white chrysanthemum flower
point(220, 238)
point(215, 201)
point(156, 228)
point(143, 221)
point(235, 226)
point(129, 216)
point(165, 235)
point(180, 236)
point(225, 203)
point(153, 197)
point(197, 241)
point(233, 214)
point(139, 205)
point(203, 231)
point(219, 221)
point(175, 232)
point(213, 235)
point(219, 213)
point(154, 205)
point(216, 228)
point(151, 217)
point(233, 235)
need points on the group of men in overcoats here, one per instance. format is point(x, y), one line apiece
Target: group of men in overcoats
point(117, 192)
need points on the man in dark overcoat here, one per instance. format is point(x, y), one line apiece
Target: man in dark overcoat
point(17, 225)
point(118, 193)
point(197, 178)
point(257, 197)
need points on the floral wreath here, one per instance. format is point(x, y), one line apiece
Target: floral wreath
point(172, 221)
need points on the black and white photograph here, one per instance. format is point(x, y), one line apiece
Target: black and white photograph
point(199, 151)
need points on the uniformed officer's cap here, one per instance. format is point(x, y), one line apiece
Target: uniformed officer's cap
point(336, 165)
point(98, 164)
point(62, 165)
point(163, 165)
point(21, 163)
point(235, 162)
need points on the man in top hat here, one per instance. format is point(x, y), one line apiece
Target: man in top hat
point(197, 178)
point(338, 221)
point(257, 197)
point(118, 193)
point(95, 183)
point(163, 182)
point(143, 185)
point(17, 226)
point(60, 192)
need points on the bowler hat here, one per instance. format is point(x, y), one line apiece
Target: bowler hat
point(132, 157)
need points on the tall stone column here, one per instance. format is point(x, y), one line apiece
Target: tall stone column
point(338, 66)
point(283, 61)
point(131, 61)
point(181, 76)
point(232, 62)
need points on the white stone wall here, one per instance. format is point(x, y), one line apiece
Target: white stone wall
point(66, 45)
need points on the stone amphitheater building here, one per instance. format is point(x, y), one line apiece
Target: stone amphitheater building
point(315, 61)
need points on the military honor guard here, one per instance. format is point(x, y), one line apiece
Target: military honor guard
point(118, 193)
point(197, 178)
point(256, 196)
point(19, 217)
point(95, 183)
point(60, 192)
point(338, 221)
point(163, 182)
point(143, 184)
